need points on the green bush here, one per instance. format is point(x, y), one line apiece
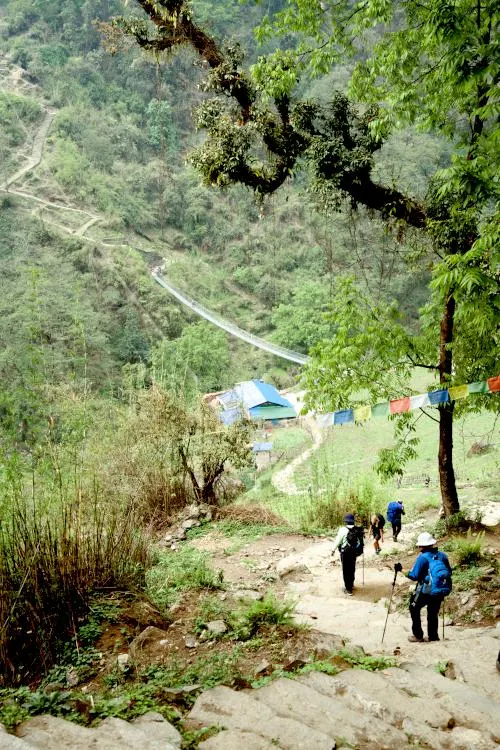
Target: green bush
point(51, 564)
point(468, 552)
point(267, 612)
point(327, 511)
point(180, 571)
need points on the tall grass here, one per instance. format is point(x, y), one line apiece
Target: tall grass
point(51, 563)
point(327, 510)
point(468, 551)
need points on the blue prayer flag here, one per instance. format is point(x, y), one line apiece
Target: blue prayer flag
point(439, 397)
point(344, 416)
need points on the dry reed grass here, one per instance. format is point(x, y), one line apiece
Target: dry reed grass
point(250, 514)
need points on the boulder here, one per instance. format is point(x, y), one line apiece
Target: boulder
point(216, 627)
point(150, 638)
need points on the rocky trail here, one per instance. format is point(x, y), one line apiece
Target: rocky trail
point(443, 695)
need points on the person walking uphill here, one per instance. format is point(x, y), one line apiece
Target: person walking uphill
point(432, 572)
point(350, 542)
point(394, 512)
point(377, 524)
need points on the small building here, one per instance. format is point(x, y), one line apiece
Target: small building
point(262, 453)
point(255, 400)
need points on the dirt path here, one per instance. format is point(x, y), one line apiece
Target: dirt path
point(283, 479)
point(303, 569)
point(38, 145)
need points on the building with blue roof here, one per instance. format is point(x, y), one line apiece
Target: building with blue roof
point(255, 400)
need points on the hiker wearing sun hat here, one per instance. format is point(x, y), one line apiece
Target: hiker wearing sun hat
point(432, 572)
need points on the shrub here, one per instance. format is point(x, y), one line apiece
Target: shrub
point(180, 571)
point(456, 523)
point(264, 613)
point(468, 551)
point(328, 510)
point(51, 563)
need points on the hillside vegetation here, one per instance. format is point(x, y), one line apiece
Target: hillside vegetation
point(105, 438)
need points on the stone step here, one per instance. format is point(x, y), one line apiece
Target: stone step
point(148, 732)
point(291, 698)
point(239, 711)
point(469, 707)
point(391, 710)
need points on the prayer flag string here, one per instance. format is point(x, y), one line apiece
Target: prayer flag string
point(362, 413)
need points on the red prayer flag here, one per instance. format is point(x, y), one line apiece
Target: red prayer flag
point(399, 405)
point(494, 384)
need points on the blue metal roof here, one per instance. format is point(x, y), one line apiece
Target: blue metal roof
point(257, 393)
point(230, 416)
point(262, 447)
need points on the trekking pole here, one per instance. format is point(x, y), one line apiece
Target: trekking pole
point(363, 568)
point(389, 607)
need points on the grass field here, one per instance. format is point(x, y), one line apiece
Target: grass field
point(347, 456)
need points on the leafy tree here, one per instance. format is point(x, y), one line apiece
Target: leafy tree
point(434, 65)
point(132, 346)
point(301, 323)
point(197, 361)
point(194, 442)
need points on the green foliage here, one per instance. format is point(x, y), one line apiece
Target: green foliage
point(197, 361)
point(466, 578)
point(184, 570)
point(441, 667)
point(355, 358)
point(251, 620)
point(326, 510)
point(52, 561)
point(12, 706)
point(360, 660)
point(268, 612)
point(454, 523)
point(468, 552)
point(301, 322)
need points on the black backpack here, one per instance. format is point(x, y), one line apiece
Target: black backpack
point(355, 541)
point(381, 520)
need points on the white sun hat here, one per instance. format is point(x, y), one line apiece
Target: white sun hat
point(425, 539)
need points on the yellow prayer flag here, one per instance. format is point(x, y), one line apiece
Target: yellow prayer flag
point(362, 413)
point(458, 391)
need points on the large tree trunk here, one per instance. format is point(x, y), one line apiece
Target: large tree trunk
point(449, 497)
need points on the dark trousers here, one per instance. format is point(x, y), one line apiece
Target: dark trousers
point(417, 603)
point(396, 528)
point(348, 568)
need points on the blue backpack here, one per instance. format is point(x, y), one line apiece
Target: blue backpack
point(394, 511)
point(439, 576)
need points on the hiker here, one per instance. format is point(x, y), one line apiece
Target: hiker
point(377, 531)
point(350, 542)
point(395, 510)
point(432, 572)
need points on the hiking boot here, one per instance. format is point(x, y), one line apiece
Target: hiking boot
point(414, 639)
point(349, 593)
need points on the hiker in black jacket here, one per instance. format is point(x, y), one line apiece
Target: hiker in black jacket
point(349, 541)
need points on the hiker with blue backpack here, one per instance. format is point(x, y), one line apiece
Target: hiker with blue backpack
point(432, 572)
point(350, 542)
point(395, 510)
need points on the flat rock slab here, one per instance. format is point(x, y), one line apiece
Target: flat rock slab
point(148, 732)
point(361, 619)
point(389, 710)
